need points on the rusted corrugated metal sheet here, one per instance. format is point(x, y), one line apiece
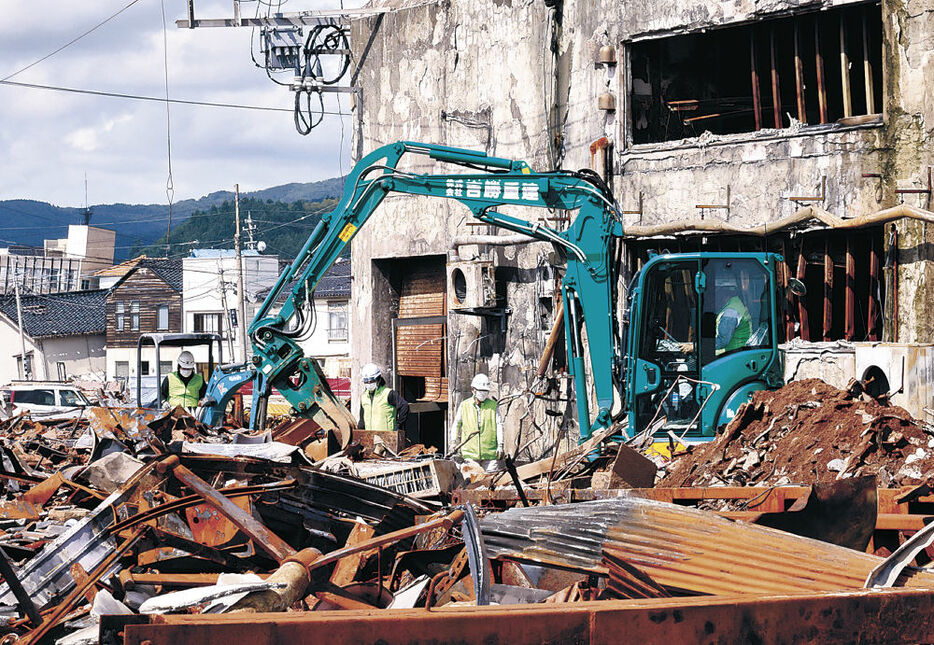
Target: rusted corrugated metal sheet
point(420, 350)
point(423, 294)
point(680, 548)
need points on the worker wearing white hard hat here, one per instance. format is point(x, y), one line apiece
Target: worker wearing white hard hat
point(478, 424)
point(382, 409)
point(184, 386)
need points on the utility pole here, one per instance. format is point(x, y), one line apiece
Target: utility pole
point(22, 336)
point(230, 327)
point(241, 304)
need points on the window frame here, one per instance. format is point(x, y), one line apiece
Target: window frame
point(160, 309)
point(338, 334)
point(624, 81)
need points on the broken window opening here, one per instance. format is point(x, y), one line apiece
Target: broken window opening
point(814, 68)
point(842, 270)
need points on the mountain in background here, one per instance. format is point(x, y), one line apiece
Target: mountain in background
point(138, 226)
point(282, 226)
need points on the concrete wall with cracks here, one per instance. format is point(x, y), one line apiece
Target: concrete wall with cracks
point(502, 76)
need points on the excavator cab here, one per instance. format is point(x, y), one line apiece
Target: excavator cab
point(702, 339)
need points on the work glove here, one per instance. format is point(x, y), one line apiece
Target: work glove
point(166, 406)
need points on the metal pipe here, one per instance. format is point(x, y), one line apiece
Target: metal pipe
point(493, 240)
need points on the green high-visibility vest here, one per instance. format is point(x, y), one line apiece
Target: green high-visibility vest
point(483, 445)
point(182, 394)
point(743, 328)
point(378, 414)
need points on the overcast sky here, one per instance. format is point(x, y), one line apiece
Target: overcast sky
point(49, 140)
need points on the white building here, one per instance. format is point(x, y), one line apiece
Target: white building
point(66, 264)
point(209, 295)
point(329, 343)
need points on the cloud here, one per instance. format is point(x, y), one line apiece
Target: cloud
point(89, 139)
point(52, 139)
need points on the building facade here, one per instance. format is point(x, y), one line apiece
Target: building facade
point(63, 333)
point(329, 342)
point(146, 299)
point(210, 294)
point(66, 264)
point(746, 113)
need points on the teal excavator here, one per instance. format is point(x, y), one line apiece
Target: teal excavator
point(682, 358)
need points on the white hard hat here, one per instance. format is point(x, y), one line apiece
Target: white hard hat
point(370, 372)
point(481, 382)
point(186, 360)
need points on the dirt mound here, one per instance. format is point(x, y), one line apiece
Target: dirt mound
point(806, 432)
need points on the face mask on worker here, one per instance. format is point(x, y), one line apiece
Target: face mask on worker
point(371, 386)
point(481, 395)
point(185, 371)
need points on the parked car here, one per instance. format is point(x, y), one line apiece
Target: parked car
point(44, 399)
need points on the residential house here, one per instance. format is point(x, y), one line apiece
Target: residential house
point(146, 299)
point(329, 341)
point(63, 332)
point(209, 297)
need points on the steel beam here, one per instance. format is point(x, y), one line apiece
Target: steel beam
point(891, 616)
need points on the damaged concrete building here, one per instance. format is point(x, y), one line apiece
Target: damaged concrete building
point(744, 113)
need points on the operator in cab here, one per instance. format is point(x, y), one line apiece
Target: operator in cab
point(382, 409)
point(734, 324)
point(184, 386)
point(478, 425)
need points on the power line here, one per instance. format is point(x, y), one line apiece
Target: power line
point(146, 220)
point(156, 99)
point(70, 42)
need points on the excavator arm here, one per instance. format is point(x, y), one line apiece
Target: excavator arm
point(588, 290)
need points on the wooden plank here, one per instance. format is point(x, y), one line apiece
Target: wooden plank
point(754, 67)
point(819, 61)
point(874, 309)
point(828, 289)
point(867, 71)
point(804, 330)
point(789, 298)
point(799, 79)
point(845, 71)
point(850, 295)
point(776, 91)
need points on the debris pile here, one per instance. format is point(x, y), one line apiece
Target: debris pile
point(134, 512)
point(809, 432)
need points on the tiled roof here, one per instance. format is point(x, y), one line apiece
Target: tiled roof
point(169, 270)
point(335, 283)
point(70, 313)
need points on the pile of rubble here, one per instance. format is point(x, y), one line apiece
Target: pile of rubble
point(129, 519)
point(809, 432)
